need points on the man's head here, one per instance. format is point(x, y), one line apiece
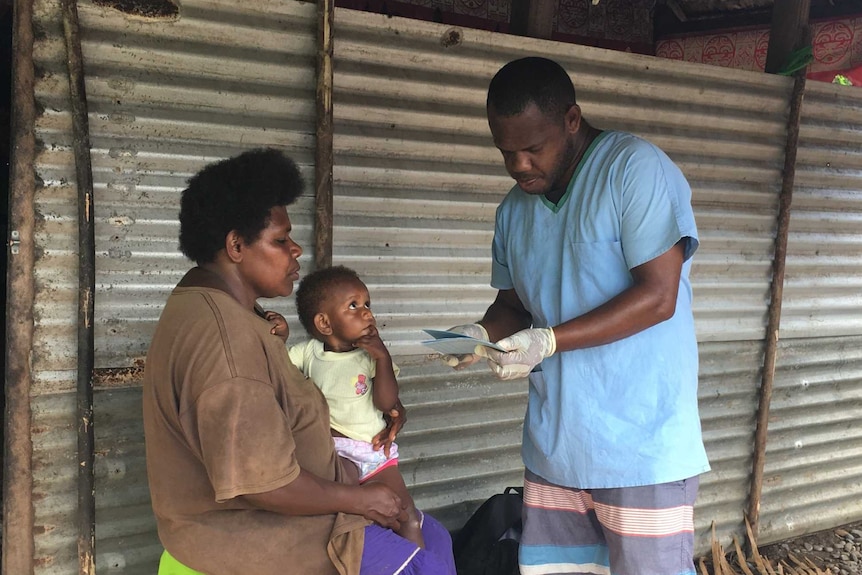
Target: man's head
point(533, 80)
point(238, 195)
point(534, 119)
point(333, 306)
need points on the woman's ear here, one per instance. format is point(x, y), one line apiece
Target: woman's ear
point(233, 244)
point(322, 325)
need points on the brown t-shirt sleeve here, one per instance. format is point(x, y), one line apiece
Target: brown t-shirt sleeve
point(244, 438)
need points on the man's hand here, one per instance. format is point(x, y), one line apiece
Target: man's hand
point(381, 504)
point(395, 419)
point(474, 330)
point(527, 348)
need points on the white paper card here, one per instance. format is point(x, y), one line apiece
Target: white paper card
point(451, 343)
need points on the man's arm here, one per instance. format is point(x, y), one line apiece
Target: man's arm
point(649, 301)
point(506, 316)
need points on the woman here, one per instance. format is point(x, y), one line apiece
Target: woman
point(243, 475)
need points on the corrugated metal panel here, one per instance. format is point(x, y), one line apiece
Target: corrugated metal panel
point(411, 130)
point(823, 289)
point(55, 313)
point(165, 98)
point(417, 182)
point(813, 476)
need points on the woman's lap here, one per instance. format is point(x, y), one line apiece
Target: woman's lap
point(386, 553)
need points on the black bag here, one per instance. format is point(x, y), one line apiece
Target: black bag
point(488, 542)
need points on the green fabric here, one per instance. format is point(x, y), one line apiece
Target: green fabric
point(170, 566)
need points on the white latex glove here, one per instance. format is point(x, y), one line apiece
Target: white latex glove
point(527, 348)
point(473, 330)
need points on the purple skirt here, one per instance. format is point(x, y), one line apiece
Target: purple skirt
point(386, 553)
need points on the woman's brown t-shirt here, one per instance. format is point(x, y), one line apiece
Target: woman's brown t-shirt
point(227, 414)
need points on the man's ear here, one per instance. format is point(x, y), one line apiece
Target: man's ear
point(321, 324)
point(233, 245)
point(573, 119)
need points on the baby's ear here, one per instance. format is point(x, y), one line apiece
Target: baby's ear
point(321, 323)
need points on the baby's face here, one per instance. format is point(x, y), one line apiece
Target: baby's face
point(349, 311)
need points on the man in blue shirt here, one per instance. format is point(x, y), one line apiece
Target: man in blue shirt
point(591, 255)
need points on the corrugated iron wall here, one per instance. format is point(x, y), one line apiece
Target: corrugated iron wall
point(165, 97)
point(813, 475)
point(417, 180)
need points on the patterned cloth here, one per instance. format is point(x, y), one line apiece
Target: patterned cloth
point(645, 530)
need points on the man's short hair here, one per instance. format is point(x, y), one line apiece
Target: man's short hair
point(234, 194)
point(538, 80)
point(315, 288)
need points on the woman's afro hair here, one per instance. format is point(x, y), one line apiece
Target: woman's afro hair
point(234, 194)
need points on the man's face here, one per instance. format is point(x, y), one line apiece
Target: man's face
point(538, 150)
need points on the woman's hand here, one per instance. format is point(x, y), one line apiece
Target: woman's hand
point(379, 503)
point(395, 419)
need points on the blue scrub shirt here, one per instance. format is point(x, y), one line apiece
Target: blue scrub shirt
point(622, 414)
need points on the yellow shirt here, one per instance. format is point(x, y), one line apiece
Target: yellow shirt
point(346, 381)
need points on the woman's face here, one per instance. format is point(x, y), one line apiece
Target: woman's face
point(269, 265)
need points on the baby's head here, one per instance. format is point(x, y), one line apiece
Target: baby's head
point(334, 306)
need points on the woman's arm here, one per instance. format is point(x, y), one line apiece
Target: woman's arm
point(309, 494)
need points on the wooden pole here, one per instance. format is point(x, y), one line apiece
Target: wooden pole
point(533, 18)
point(18, 514)
point(86, 291)
point(777, 291)
point(323, 159)
point(789, 20)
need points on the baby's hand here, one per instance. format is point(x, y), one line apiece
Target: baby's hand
point(373, 345)
point(279, 324)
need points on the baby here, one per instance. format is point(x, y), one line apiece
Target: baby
point(352, 367)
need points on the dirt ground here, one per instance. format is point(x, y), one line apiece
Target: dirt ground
point(838, 549)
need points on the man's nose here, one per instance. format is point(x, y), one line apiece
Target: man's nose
point(519, 163)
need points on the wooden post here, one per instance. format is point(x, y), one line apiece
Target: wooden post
point(16, 555)
point(323, 156)
point(533, 18)
point(789, 20)
point(776, 295)
point(86, 291)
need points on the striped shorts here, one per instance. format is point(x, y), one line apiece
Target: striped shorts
point(647, 530)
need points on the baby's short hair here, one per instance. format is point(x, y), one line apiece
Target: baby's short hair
point(315, 288)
